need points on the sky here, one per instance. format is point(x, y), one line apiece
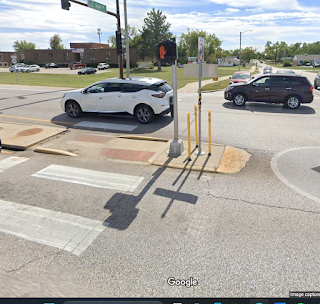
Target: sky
point(259, 20)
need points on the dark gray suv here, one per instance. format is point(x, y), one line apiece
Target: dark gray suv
point(291, 90)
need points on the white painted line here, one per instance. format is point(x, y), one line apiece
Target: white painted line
point(53, 228)
point(11, 161)
point(104, 126)
point(92, 178)
point(274, 166)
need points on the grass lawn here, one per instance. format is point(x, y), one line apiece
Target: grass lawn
point(219, 85)
point(80, 81)
point(304, 68)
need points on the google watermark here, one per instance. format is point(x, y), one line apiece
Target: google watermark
point(179, 282)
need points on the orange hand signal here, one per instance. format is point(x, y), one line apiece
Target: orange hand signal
point(162, 51)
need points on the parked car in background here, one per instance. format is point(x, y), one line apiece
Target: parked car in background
point(87, 71)
point(30, 68)
point(241, 76)
point(103, 66)
point(51, 65)
point(142, 97)
point(267, 69)
point(77, 65)
point(15, 67)
point(0, 145)
point(291, 90)
point(317, 81)
point(286, 72)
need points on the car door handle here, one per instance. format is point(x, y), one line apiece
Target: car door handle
point(267, 89)
point(288, 88)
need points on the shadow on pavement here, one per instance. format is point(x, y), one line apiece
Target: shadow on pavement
point(269, 108)
point(159, 122)
point(123, 206)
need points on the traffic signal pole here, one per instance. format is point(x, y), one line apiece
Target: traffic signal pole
point(117, 15)
point(120, 55)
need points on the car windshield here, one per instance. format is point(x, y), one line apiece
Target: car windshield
point(241, 76)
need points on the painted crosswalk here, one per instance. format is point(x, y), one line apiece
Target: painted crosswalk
point(10, 162)
point(92, 178)
point(57, 229)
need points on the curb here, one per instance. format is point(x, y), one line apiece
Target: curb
point(233, 160)
point(143, 138)
point(54, 151)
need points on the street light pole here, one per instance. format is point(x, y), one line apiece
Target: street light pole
point(240, 47)
point(99, 33)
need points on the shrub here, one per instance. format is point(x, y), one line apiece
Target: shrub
point(287, 64)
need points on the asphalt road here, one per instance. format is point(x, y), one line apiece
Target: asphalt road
point(251, 234)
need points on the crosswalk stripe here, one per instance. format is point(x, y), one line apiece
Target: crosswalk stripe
point(11, 161)
point(92, 178)
point(53, 228)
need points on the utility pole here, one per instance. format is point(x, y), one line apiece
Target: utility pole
point(127, 38)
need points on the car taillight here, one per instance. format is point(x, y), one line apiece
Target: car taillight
point(311, 88)
point(159, 95)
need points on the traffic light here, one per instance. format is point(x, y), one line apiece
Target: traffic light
point(166, 51)
point(65, 4)
point(119, 42)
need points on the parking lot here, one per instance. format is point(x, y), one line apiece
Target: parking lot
point(59, 71)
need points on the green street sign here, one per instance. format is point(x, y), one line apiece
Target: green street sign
point(97, 6)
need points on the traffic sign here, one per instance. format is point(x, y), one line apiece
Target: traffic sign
point(97, 6)
point(14, 61)
point(200, 50)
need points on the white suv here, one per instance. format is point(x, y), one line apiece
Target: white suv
point(30, 68)
point(142, 97)
point(103, 66)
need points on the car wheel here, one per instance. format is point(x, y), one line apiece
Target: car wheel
point(73, 109)
point(239, 99)
point(38, 70)
point(144, 114)
point(292, 102)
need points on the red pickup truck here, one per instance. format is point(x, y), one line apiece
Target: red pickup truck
point(77, 65)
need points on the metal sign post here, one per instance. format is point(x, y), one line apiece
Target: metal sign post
point(201, 60)
point(14, 61)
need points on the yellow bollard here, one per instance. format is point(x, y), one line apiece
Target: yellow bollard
point(189, 138)
point(209, 118)
point(196, 124)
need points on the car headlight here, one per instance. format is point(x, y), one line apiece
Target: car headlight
point(229, 88)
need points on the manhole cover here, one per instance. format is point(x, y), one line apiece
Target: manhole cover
point(29, 132)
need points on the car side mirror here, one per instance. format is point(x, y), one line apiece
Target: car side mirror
point(84, 91)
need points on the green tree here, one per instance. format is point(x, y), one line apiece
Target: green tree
point(275, 50)
point(154, 30)
point(55, 42)
point(132, 34)
point(23, 45)
point(247, 54)
point(188, 45)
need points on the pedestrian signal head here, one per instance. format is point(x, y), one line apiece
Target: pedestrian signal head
point(166, 51)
